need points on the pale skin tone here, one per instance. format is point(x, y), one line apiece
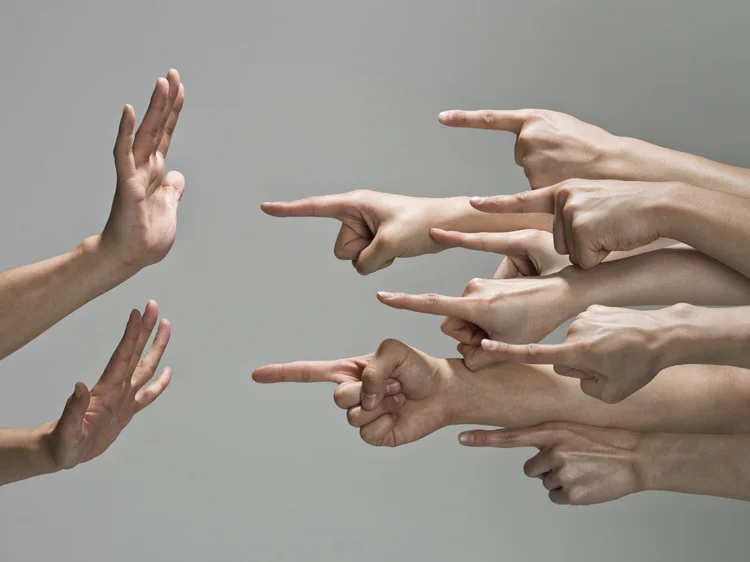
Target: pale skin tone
point(526, 309)
point(377, 228)
point(93, 419)
point(139, 232)
point(617, 351)
point(582, 465)
point(553, 147)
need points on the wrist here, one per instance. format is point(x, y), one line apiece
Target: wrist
point(652, 460)
point(100, 256)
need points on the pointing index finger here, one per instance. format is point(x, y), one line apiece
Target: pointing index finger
point(429, 304)
point(534, 353)
point(328, 206)
point(537, 201)
point(493, 119)
point(538, 437)
point(337, 371)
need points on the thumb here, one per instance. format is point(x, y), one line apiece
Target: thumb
point(379, 254)
point(71, 420)
point(174, 185)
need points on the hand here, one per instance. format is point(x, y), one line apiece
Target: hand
point(91, 421)
point(376, 228)
point(528, 252)
point(578, 464)
point(550, 146)
point(143, 222)
point(395, 396)
point(591, 218)
point(518, 310)
point(614, 351)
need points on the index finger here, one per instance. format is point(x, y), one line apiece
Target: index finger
point(429, 304)
point(496, 242)
point(538, 201)
point(337, 371)
point(534, 353)
point(493, 119)
point(118, 366)
point(328, 206)
point(538, 437)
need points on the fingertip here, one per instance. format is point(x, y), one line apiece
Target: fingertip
point(385, 296)
point(446, 117)
point(477, 202)
point(467, 438)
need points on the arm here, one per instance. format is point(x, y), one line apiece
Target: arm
point(714, 465)
point(140, 230)
point(92, 420)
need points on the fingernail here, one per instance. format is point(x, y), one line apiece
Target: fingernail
point(399, 399)
point(393, 387)
point(368, 401)
point(383, 295)
point(478, 200)
point(77, 393)
point(466, 438)
point(487, 344)
point(445, 115)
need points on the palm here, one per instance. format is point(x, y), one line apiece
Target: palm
point(143, 221)
point(92, 421)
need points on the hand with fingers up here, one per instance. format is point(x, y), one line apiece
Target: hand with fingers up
point(93, 419)
point(143, 221)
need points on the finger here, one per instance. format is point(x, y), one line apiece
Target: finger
point(123, 151)
point(338, 371)
point(507, 270)
point(376, 256)
point(358, 416)
point(148, 322)
point(475, 358)
point(349, 394)
point(559, 497)
point(147, 136)
point(174, 186)
point(349, 243)
point(71, 420)
point(559, 231)
point(591, 387)
point(462, 331)
point(388, 357)
point(538, 201)
point(145, 396)
point(429, 304)
point(538, 465)
point(571, 372)
point(171, 111)
point(497, 120)
point(588, 258)
point(147, 367)
point(380, 432)
point(551, 481)
point(496, 242)
point(119, 364)
point(534, 353)
point(510, 438)
point(328, 206)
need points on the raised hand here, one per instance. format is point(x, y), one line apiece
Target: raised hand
point(92, 420)
point(613, 351)
point(577, 464)
point(550, 146)
point(591, 218)
point(143, 222)
point(528, 252)
point(518, 310)
point(395, 396)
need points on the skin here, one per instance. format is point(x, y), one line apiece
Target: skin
point(617, 351)
point(524, 310)
point(139, 232)
point(583, 465)
point(553, 147)
point(93, 419)
point(377, 228)
point(595, 217)
point(441, 392)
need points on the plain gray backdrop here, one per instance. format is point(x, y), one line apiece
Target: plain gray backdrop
point(285, 100)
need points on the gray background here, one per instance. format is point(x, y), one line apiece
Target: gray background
point(288, 99)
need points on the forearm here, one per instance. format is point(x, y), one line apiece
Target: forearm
point(662, 277)
point(25, 453)
point(682, 399)
point(715, 465)
point(712, 222)
point(463, 217)
point(35, 297)
point(637, 160)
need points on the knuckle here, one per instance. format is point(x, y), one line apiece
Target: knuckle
point(487, 116)
point(431, 298)
point(474, 285)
